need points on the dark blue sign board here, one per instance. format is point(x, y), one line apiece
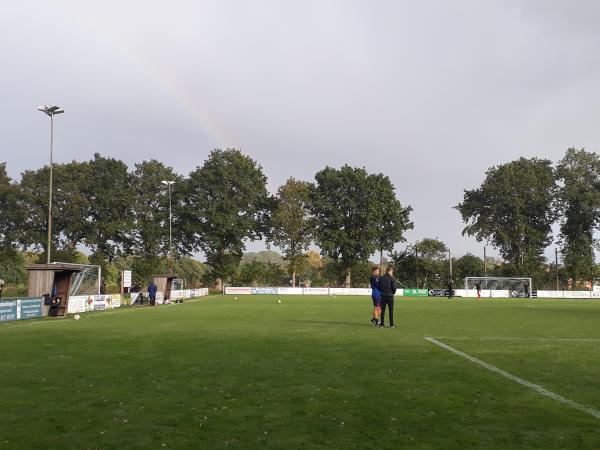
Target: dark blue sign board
point(31, 308)
point(8, 310)
point(22, 308)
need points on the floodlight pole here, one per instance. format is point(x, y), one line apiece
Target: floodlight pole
point(50, 111)
point(484, 262)
point(50, 189)
point(592, 270)
point(556, 266)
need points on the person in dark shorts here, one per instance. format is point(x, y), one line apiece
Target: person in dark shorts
point(375, 294)
point(478, 287)
point(387, 287)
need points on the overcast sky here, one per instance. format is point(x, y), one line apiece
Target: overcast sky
point(431, 93)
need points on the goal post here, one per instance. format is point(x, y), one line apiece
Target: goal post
point(516, 286)
point(85, 282)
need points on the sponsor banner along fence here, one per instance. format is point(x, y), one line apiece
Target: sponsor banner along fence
point(289, 291)
point(188, 293)
point(350, 291)
point(484, 293)
point(86, 303)
point(264, 290)
point(238, 290)
point(315, 291)
point(415, 292)
point(438, 292)
point(20, 308)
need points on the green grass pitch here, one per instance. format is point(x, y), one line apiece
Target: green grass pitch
point(310, 372)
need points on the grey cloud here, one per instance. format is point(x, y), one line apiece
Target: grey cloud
point(431, 93)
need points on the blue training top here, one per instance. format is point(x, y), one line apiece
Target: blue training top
point(374, 280)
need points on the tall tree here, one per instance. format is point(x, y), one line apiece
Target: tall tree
point(12, 262)
point(290, 225)
point(226, 203)
point(467, 265)
point(423, 264)
point(150, 210)
point(579, 206)
point(514, 210)
point(70, 207)
point(347, 215)
point(11, 211)
point(392, 219)
point(110, 195)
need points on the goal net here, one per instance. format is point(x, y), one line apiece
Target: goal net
point(86, 282)
point(516, 286)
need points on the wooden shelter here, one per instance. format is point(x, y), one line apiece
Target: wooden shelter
point(164, 283)
point(42, 277)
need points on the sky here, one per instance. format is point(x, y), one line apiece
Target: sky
point(430, 93)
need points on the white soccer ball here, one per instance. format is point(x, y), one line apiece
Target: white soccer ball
point(76, 316)
point(278, 301)
point(235, 298)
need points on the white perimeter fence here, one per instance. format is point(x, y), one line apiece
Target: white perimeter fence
point(485, 293)
point(85, 303)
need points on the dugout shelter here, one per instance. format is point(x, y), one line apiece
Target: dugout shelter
point(65, 279)
point(164, 283)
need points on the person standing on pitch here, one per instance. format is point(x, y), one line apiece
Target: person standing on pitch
point(478, 287)
point(375, 295)
point(387, 287)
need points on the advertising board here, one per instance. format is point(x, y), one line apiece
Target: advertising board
point(289, 291)
point(577, 294)
point(264, 290)
point(29, 308)
point(20, 309)
point(315, 291)
point(238, 290)
point(415, 292)
point(8, 310)
point(127, 278)
point(350, 291)
point(438, 292)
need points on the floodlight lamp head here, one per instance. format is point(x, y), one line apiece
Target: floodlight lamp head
point(50, 109)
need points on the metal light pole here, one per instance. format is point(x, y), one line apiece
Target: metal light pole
point(484, 262)
point(556, 266)
point(50, 110)
point(168, 184)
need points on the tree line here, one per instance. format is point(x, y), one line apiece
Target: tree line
point(121, 216)
point(518, 203)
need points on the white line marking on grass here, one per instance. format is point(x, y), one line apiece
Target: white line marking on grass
point(540, 390)
point(461, 338)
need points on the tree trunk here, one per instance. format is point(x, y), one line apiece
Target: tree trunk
point(294, 278)
point(380, 260)
point(349, 278)
point(219, 284)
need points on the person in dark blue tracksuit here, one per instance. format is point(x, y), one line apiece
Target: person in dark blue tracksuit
point(152, 288)
point(387, 287)
point(375, 294)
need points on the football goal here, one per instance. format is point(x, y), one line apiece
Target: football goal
point(516, 286)
point(85, 282)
